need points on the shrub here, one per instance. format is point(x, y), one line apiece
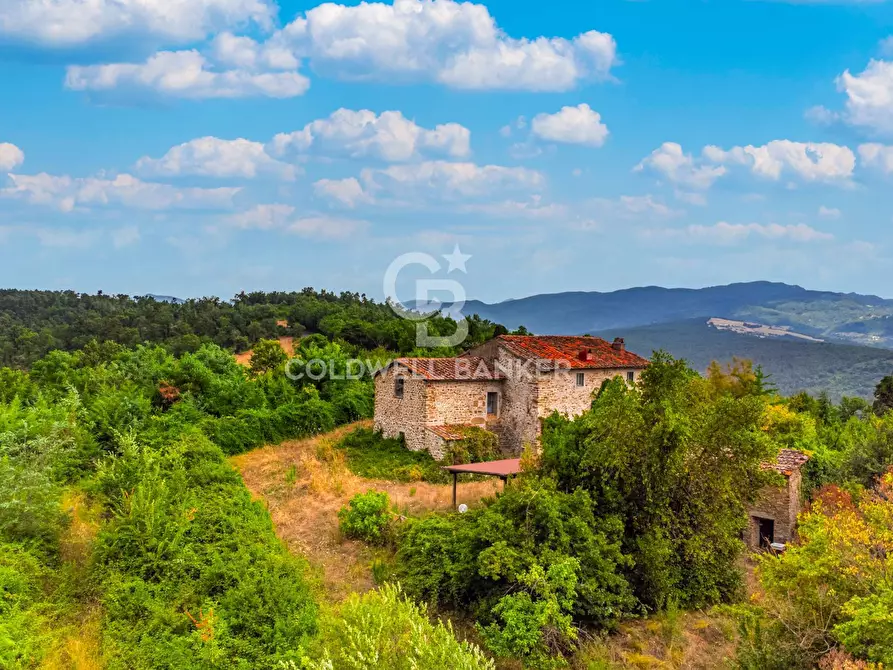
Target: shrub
point(477, 446)
point(384, 629)
point(366, 517)
point(372, 456)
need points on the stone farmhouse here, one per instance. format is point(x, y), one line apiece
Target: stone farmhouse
point(507, 386)
point(773, 517)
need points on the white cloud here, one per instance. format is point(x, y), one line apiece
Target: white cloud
point(454, 43)
point(886, 47)
point(449, 180)
point(821, 116)
point(829, 212)
point(185, 74)
point(213, 157)
point(629, 207)
point(124, 190)
point(281, 217)
point(877, 156)
point(870, 96)
point(525, 209)
point(724, 233)
point(10, 156)
point(65, 23)
point(680, 168)
point(389, 136)
point(808, 160)
point(348, 191)
point(429, 181)
point(571, 125)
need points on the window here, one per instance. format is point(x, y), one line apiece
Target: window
point(492, 403)
point(631, 376)
point(581, 379)
point(398, 387)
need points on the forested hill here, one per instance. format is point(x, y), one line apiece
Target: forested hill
point(794, 365)
point(847, 317)
point(33, 323)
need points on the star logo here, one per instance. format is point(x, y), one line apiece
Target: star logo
point(457, 260)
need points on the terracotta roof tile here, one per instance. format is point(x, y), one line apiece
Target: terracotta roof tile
point(578, 352)
point(504, 468)
point(450, 369)
point(788, 460)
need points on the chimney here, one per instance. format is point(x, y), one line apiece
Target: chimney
point(586, 355)
point(618, 344)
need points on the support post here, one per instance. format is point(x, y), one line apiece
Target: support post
point(455, 478)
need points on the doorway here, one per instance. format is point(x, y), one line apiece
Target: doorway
point(766, 530)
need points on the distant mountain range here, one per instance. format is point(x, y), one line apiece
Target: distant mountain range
point(165, 298)
point(841, 317)
point(807, 340)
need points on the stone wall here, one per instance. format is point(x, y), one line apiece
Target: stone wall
point(782, 505)
point(558, 391)
point(460, 402)
point(401, 415)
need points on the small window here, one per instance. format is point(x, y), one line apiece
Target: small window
point(631, 376)
point(398, 387)
point(492, 403)
point(581, 379)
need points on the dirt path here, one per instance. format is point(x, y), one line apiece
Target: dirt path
point(305, 482)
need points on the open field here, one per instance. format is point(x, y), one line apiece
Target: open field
point(304, 483)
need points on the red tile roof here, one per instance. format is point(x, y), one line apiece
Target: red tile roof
point(451, 432)
point(572, 351)
point(511, 466)
point(449, 369)
point(788, 460)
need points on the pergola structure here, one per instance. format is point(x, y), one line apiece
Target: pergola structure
point(502, 469)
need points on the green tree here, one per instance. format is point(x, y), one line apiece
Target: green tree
point(267, 355)
point(883, 395)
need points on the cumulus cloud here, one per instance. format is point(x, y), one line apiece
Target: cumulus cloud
point(808, 160)
point(457, 44)
point(124, 190)
point(430, 181)
point(185, 74)
point(869, 94)
point(348, 191)
point(680, 168)
point(213, 157)
point(281, 217)
point(10, 156)
point(454, 43)
point(571, 125)
point(724, 233)
point(389, 136)
point(877, 156)
point(829, 212)
point(67, 23)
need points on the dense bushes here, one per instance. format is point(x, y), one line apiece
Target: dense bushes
point(384, 629)
point(833, 586)
point(372, 456)
point(366, 517)
point(534, 557)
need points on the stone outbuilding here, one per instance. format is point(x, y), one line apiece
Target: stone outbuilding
point(507, 385)
point(773, 517)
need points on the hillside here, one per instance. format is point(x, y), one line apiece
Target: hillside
point(795, 365)
point(846, 317)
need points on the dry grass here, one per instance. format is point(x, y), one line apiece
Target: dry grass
point(286, 342)
point(78, 633)
point(305, 482)
point(680, 641)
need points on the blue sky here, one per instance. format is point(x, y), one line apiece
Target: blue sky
point(203, 147)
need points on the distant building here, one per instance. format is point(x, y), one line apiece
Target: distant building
point(507, 385)
point(773, 518)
